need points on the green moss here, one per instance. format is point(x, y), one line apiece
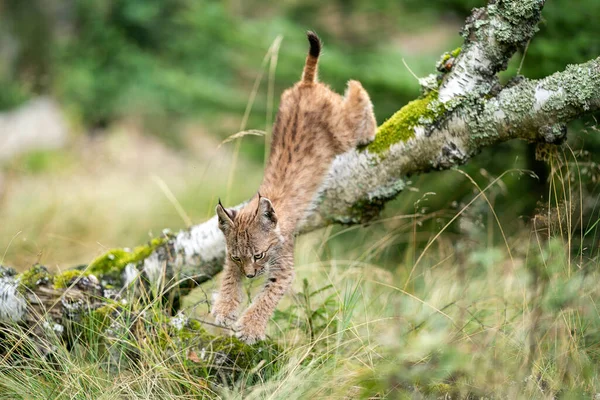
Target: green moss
point(443, 65)
point(105, 311)
point(114, 261)
point(230, 355)
point(34, 277)
point(400, 127)
point(193, 330)
point(65, 279)
point(456, 52)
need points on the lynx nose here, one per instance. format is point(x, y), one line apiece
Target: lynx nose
point(251, 275)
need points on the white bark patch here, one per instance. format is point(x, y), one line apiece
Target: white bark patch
point(499, 115)
point(131, 273)
point(203, 241)
point(542, 96)
point(342, 171)
point(12, 303)
point(419, 131)
point(464, 77)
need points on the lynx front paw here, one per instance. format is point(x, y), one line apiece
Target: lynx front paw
point(250, 330)
point(224, 320)
point(223, 315)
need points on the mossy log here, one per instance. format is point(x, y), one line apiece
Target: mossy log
point(40, 311)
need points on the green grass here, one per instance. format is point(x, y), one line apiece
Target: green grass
point(479, 324)
point(461, 317)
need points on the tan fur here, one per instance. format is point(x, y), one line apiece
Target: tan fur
point(313, 125)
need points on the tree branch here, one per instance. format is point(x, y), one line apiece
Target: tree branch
point(360, 182)
point(492, 35)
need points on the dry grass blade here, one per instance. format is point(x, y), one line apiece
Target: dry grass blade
point(8, 246)
point(173, 200)
point(489, 203)
point(251, 132)
point(271, 93)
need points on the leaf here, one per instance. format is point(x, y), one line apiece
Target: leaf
point(192, 356)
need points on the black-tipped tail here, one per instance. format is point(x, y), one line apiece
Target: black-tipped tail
point(315, 44)
point(310, 68)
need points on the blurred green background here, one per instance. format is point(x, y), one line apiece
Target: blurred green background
point(124, 107)
point(149, 88)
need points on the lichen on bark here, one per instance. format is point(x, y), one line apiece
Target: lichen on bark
point(33, 277)
point(69, 277)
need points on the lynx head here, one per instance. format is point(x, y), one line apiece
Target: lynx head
point(252, 235)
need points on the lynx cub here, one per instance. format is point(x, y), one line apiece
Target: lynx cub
point(313, 125)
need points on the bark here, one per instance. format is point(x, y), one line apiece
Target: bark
point(462, 110)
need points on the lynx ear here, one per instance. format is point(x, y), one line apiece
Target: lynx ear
point(266, 212)
point(226, 217)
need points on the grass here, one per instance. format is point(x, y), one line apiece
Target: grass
point(466, 318)
point(483, 327)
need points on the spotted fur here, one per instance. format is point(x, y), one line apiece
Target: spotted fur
point(313, 125)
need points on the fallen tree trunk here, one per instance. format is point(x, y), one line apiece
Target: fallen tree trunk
point(42, 312)
point(463, 109)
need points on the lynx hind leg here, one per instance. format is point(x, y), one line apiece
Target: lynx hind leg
point(358, 113)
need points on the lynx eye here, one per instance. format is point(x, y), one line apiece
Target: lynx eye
point(236, 259)
point(259, 256)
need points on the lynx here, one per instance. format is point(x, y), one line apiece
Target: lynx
point(313, 125)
